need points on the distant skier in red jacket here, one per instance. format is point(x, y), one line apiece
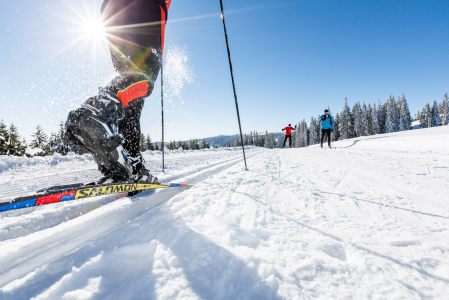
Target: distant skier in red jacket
point(288, 134)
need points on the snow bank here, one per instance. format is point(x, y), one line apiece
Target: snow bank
point(368, 220)
point(423, 141)
point(8, 162)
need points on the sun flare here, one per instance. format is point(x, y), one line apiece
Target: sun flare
point(94, 29)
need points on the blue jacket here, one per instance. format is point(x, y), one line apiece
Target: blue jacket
point(328, 123)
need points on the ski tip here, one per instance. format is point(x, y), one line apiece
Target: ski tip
point(180, 184)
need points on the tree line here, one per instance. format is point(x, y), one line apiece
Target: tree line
point(11, 143)
point(361, 120)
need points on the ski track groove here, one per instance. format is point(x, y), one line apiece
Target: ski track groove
point(10, 192)
point(72, 209)
point(76, 232)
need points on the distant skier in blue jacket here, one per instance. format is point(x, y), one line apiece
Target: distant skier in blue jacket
point(327, 126)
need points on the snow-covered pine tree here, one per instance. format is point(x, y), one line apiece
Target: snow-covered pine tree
point(404, 117)
point(196, 145)
point(63, 146)
point(375, 120)
point(301, 135)
point(358, 125)
point(445, 110)
point(246, 139)
point(369, 113)
point(389, 123)
point(266, 144)
point(4, 138)
point(142, 143)
point(149, 143)
point(40, 142)
point(392, 124)
point(425, 115)
point(345, 124)
point(271, 142)
point(397, 114)
point(236, 142)
point(335, 134)
point(365, 120)
point(296, 136)
point(436, 119)
point(304, 133)
point(203, 144)
point(58, 143)
point(299, 138)
point(15, 146)
point(53, 142)
point(313, 138)
point(382, 116)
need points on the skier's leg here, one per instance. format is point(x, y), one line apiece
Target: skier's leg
point(136, 55)
point(322, 137)
point(135, 32)
point(129, 127)
point(329, 137)
point(285, 140)
point(290, 141)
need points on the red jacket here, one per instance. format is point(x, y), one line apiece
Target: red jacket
point(288, 130)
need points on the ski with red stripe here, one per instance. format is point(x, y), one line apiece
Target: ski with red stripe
point(82, 192)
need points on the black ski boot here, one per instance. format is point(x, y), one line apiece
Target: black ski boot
point(140, 173)
point(94, 127)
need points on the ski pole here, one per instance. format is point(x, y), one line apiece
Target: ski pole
point(162, 109)
point(233, 84)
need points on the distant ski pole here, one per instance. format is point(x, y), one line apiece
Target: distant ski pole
point(162, 109)
point(233, 84)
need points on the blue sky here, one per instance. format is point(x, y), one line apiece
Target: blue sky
point(291, 60)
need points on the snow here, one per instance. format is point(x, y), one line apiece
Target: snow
point(368, 220)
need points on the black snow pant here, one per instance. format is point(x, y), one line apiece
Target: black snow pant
point(290, 140)
point(328, 133)
point(135, 31)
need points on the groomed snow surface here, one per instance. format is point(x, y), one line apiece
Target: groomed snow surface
point(368, 220)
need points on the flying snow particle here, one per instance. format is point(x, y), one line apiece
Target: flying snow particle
point(178, 70)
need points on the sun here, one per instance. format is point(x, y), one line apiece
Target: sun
point(94, 29)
